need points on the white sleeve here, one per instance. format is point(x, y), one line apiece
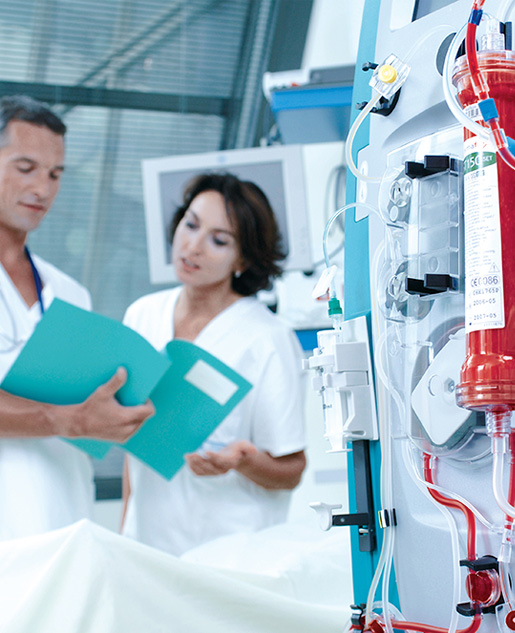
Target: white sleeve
point(129, 317)
point(278, 401)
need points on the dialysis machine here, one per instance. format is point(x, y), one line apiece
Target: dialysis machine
point(432, 202)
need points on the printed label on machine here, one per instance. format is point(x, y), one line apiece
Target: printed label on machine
point(484, 300)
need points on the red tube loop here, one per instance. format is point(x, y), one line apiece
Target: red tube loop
point(428, 628)
point(401, 625)
point(453, 503)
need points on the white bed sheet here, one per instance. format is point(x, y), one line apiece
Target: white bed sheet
point(87, 579)
point(297, 560)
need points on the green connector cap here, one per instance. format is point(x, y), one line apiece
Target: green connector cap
point(334, 307)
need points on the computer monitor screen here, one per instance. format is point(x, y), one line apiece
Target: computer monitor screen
point(426, 7)
point(277, 170)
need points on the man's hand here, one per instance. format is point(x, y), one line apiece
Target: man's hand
point(101, 416)
point(230, 457)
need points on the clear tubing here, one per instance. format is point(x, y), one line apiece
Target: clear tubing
point(504, 561)
point(452, 503)
point(381, 373)
point(385, 551)
point(506, 545)
point(469, 517)
point(506, 588)
point(385, 441)
point(385, 558)
point(498, 426)
point(333, 219)
point(386, 463)
point(506, 8)
point(495, 529)
point(424, 628)
point(507, 156)
point(387, 502)
point(511, 489)
point(448, 88)
point(327, 228)
point(385, 594)
point(453, 529)
point(481, 90)
point(491, 527)
point(499, 449)
point(350, 140)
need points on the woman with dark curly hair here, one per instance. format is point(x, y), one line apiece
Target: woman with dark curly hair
point(225, 248)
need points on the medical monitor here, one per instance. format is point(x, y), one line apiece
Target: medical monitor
point(426, 7)
point(277, 170)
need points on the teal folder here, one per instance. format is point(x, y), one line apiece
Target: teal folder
point(73, 351)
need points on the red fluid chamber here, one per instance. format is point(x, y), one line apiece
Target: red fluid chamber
point(488, 374)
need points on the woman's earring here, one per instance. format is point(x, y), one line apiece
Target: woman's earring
point(237, 274)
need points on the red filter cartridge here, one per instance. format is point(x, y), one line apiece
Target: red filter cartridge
point(488, 373)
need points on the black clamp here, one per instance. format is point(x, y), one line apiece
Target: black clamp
point(433, 164)
point(358, 619)
point(506, 29)
point(481, 564)
point(385, 106)
point(387, 518)
point(358, 518)
point(432, 284)
point(470, 610)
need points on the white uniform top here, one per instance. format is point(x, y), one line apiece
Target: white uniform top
point(189, 510)
point(45, 483)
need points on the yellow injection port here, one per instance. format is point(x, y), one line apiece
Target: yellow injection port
point(387, 74)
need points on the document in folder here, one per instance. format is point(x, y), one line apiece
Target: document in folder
point(73, 351)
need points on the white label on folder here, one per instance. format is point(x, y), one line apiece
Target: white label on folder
point(213, 383)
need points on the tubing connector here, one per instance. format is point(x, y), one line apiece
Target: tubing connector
point(488, 109)
point(475, 16)
point(335, 313)
point(506, 546)
point(389, 76)
point(493, 39)
point(498, 423)
point(334, 307)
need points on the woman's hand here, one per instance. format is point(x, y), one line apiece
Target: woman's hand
point(272, 473)
point(228, 458)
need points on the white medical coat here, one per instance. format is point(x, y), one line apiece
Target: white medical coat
point(180, 514)
point(45, 483)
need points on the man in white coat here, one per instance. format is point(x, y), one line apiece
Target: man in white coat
point(45, 482)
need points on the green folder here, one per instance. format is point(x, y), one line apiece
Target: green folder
point(73, 351)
